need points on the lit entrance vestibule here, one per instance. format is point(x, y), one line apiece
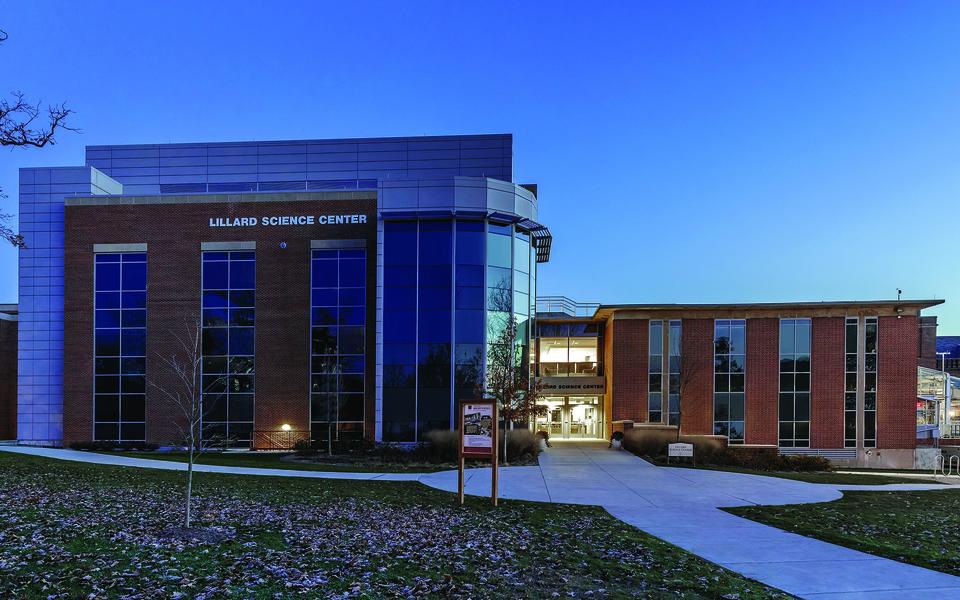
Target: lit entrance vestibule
point(579, 417)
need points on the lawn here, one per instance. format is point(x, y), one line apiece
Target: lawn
point(921, 528)
point(831, 477)
point(285, 460)
point(78, 530)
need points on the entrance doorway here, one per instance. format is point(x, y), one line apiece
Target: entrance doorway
point(572, 417)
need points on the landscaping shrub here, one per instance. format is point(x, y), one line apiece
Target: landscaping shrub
point(709, 451)
point(521, 443)
point(305, 448)
point(354, 447)
point(442, 445)
point(650, 443)
point(103, 446)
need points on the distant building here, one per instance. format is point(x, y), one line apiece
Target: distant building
point(950, 344)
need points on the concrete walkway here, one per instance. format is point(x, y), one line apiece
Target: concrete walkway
point(169, 465)
point(677, 505)
point(681, 507)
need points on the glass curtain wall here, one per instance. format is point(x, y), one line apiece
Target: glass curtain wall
point(229, 295)
point(729, 343)
point(399, 331)
point(338, 341)
point(120, 347)
point(470, 295)
point(451, 288)
point(794, 383)
point(434, 325)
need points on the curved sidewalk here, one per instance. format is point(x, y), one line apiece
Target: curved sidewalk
point(169, 465)
point(680, 506)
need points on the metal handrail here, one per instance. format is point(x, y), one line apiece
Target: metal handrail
point(566, 306)
point(278, 439)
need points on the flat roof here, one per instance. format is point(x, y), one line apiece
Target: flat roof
point(218, 198)
point(606, 310)
point(274, 142)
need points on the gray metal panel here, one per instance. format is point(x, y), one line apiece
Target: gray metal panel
point(104, 248)
point(228, 245)
point(332, 244)
point(377, 158)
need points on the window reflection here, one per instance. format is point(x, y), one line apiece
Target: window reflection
point(729, 343)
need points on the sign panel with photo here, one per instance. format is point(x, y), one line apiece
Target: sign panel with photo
point(477, 428)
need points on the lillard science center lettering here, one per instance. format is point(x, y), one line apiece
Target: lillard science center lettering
point(289, 220)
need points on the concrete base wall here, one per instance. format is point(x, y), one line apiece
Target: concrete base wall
point(925, 458)
point(883, 458)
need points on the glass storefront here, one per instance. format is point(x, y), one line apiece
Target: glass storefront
point(572, 417)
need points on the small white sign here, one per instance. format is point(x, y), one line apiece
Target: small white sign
point(680, 450)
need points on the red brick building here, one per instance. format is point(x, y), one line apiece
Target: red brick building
point(836, 379)
point(353, 289)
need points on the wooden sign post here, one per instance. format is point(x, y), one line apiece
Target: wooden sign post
point(478, 439)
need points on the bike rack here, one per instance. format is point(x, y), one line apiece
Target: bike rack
point(947, 467)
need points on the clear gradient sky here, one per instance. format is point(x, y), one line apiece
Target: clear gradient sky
point(685, 152)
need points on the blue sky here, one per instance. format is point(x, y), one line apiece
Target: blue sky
point(685, 152)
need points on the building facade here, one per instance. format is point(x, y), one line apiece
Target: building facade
point(836, 379)
point(346, 288)
point(354, 289)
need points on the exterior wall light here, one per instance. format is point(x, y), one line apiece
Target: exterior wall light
point(285, 427)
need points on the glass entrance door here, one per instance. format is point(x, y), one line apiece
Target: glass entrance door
point(572, 417)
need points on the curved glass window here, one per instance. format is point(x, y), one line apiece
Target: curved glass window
point(451, 288)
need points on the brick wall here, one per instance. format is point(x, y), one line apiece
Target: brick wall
point(826, 382)
point(763, 381)
point(697, 399)
point(629, 374)
point(897, 382)
point(173, 233)
point(928, 343)
point(8, 380)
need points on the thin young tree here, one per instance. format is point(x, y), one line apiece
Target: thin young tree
point(21, 126)
point(179, 383)
point(690, 371)
point(507, 378)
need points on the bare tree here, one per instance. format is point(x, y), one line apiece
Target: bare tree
point(180, 386)
point(690, 370)
point(24, 124)
point(507, 377)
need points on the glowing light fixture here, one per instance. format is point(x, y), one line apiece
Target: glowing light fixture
point(285, 427)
